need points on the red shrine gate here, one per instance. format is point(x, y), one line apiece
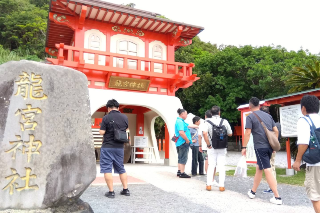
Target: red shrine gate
point(126, 54)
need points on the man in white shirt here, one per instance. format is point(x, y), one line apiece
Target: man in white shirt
point(202, 144)
point(216, 157)
point(310, 110)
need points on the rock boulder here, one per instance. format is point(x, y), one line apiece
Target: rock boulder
point(46, 149)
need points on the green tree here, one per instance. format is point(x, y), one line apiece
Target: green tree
point(230, 76)
point(159, 128)
point(23, 26)
point(40, 3)
point(304, 78)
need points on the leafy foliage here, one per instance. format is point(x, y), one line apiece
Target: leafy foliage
point(7, 55)
point(304, 78)
point(23, 25)
point(159, 128)
point(230, 76)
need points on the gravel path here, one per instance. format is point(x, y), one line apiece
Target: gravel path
point(145, 198)
point(164, 192)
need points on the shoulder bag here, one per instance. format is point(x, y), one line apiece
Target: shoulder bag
point(271, 135)
point(120, 136)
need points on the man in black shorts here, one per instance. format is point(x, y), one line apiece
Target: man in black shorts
point(112, 152)
point(262, 148)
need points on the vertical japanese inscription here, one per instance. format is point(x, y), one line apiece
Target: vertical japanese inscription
point(28, 87)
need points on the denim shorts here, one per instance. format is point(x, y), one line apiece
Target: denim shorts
point(263, 158)
point(183, 151)
point(112, 157)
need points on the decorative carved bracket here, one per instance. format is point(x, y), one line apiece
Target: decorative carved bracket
point(52, 51)
point(127, 31)
point(176, 34)
point(82, 17)
point(183, 42)
point(63, 20)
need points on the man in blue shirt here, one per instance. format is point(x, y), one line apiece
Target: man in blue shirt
point(184, 139)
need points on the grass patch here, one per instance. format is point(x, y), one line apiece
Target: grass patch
point(297, 179)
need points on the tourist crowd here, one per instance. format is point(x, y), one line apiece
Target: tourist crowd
point(208, 141)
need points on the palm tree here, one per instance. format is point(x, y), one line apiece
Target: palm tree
point(304, 78)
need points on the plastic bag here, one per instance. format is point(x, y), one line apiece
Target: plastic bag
point(241, 170)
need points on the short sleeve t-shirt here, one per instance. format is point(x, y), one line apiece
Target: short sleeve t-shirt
point(201, 129)
point(216, 120)
point(181, 125)
point(303, 129)
point(194, 136)
point(260, 139)
point(120, 121)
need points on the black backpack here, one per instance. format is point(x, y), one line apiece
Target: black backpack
point(312, 154)
point(219, 136)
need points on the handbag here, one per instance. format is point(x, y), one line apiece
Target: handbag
point(271, 135)
point(120, 136)
point(175, 138)
point(312, 154)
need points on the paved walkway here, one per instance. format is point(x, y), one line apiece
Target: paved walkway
point(155, 188)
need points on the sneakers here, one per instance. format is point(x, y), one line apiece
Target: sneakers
point(184, 175)
point(208, 188)
point(268, 191)
point(178, 174)
point(222, 189)
point(110, 194)
point(251, 195)
point(276, 201)
point(125, 192)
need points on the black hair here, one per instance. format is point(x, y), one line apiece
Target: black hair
point(180, 111)
point(112, 104)
point(208, 114)
point(195, 119)
point(254, 101)
point(265, 109)
point(215, 110)
point(311, 103)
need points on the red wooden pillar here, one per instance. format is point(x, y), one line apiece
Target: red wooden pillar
point(170, 58)
point(288, 153)
point(108, 42)
point(78, 42)
point(167, 141)
point(146, 54)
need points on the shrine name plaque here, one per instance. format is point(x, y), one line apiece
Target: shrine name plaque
point(129, 83)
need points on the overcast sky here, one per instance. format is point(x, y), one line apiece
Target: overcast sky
point(290, 23)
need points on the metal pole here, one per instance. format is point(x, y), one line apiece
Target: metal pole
point(288, 153)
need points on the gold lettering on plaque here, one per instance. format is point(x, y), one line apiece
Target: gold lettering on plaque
point(129, 83)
